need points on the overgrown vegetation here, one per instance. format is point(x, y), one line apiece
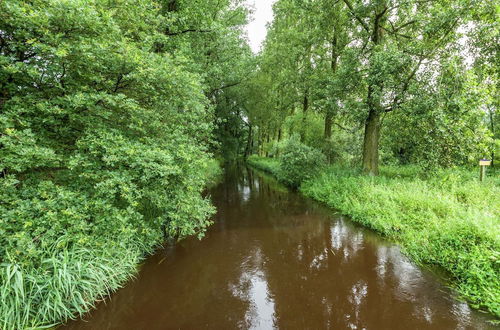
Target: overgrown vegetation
point(106, 127)
point(404, 89)
point(111, 113)
point(299, 162)
point(448, 218)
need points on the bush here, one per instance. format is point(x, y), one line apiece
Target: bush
point(299, 163)
point(103, 150)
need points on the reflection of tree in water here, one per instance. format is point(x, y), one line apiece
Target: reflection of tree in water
point(273, 258)
point(323, 274)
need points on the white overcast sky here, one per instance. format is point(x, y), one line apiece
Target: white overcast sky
point(256, 29)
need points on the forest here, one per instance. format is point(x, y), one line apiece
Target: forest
point(115, 115)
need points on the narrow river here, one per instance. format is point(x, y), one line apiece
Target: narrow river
point(274, 259)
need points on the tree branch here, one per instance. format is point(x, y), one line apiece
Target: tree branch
point(363, 24)
point(405, 25)
point(224, 87)
point(187, 31)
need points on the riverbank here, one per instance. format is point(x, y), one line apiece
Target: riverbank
point(270, 253)
point(449, 220)
point(59, 277)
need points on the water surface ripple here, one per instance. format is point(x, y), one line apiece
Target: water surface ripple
point(274, 259)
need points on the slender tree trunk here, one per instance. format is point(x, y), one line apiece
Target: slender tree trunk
point(259, 142)
point(328, 124)
point(249, 141)
point(267, 143)
point(252, 147)
point(329, 112)
point(492, 128)
point(305, 107)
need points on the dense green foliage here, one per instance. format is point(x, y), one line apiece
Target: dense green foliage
point(299, 162)
point(106, 120)
point(111, 113)
point(295, 162)
point(449, 220)
point(403, 82)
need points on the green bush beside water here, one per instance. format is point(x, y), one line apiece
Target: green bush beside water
point(447, 218)
point(55, 270)
point(104, 141)
point(299, 162)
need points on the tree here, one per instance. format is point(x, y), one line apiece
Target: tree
point(398, 39)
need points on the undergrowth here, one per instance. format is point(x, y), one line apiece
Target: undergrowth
point(53, 269)
point(66, 283)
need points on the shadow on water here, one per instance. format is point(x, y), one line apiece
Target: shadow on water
point(274, 259)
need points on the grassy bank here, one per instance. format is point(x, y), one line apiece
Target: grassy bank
point(447, 219)
point(66, 283)
point(54, 268)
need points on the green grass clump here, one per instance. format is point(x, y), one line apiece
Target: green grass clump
point(67, 283)
point(448, 219)
point(269, 165)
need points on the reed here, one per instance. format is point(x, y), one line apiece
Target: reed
point(66, 284)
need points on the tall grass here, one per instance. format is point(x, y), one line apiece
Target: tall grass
point(67, 284)
point(269, 165)
point(447, 218)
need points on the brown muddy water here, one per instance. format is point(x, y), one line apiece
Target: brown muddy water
point(274, 259)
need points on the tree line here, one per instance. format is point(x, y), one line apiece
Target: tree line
point(397, 81)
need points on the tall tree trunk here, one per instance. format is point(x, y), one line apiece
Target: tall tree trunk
point(373, 122)
point(492, 128)
point(252, 147)
point(371, 143)
point(267, 143)
point(328, 124)
point(249, 142)
point(329, 112)
point(259, 142)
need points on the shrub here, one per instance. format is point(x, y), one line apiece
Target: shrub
point(103, 148)
point(299, 163)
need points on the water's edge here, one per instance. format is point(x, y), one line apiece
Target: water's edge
point(277, 259)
